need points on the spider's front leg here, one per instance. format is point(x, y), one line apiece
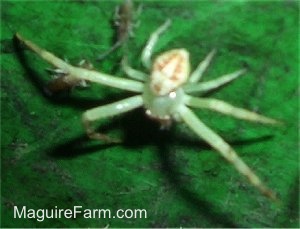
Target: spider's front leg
point(77, 73)
point(224, 149)
point(108, 111)
point(228, 109)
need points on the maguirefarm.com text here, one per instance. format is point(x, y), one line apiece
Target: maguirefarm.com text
point(58, 213)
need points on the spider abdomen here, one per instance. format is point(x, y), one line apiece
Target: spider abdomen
point(170, 70)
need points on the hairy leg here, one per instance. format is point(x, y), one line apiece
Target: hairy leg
point(213, 84)
point(228, 109)
point(224, 149)
point(108, 111)
point(82, 73)
point(198, 73)
point(147, 51)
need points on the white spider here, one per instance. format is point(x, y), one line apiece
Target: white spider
point(164, 95)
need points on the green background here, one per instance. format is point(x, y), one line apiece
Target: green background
point(47, 161)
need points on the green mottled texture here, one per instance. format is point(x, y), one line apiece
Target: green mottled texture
point(47, 161)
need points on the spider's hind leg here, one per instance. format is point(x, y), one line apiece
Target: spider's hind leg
point(213, 84)
point(147, 51)
point(131, 72)
point(203, 65)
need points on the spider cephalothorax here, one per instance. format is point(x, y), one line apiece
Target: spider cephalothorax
point(164, 95)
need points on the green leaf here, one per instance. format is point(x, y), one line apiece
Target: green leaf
point(47, 161)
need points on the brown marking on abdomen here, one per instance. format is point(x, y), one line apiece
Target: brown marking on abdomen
point(160, 66)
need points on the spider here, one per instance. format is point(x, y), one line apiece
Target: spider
point(164, 96)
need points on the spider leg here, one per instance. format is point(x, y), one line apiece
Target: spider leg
point(213, 84)
point(227, 109)
point(147, 51)
point(198, 72)
point(215, 141)
point(82, 73)
point(133, 73)
point(108, 111)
